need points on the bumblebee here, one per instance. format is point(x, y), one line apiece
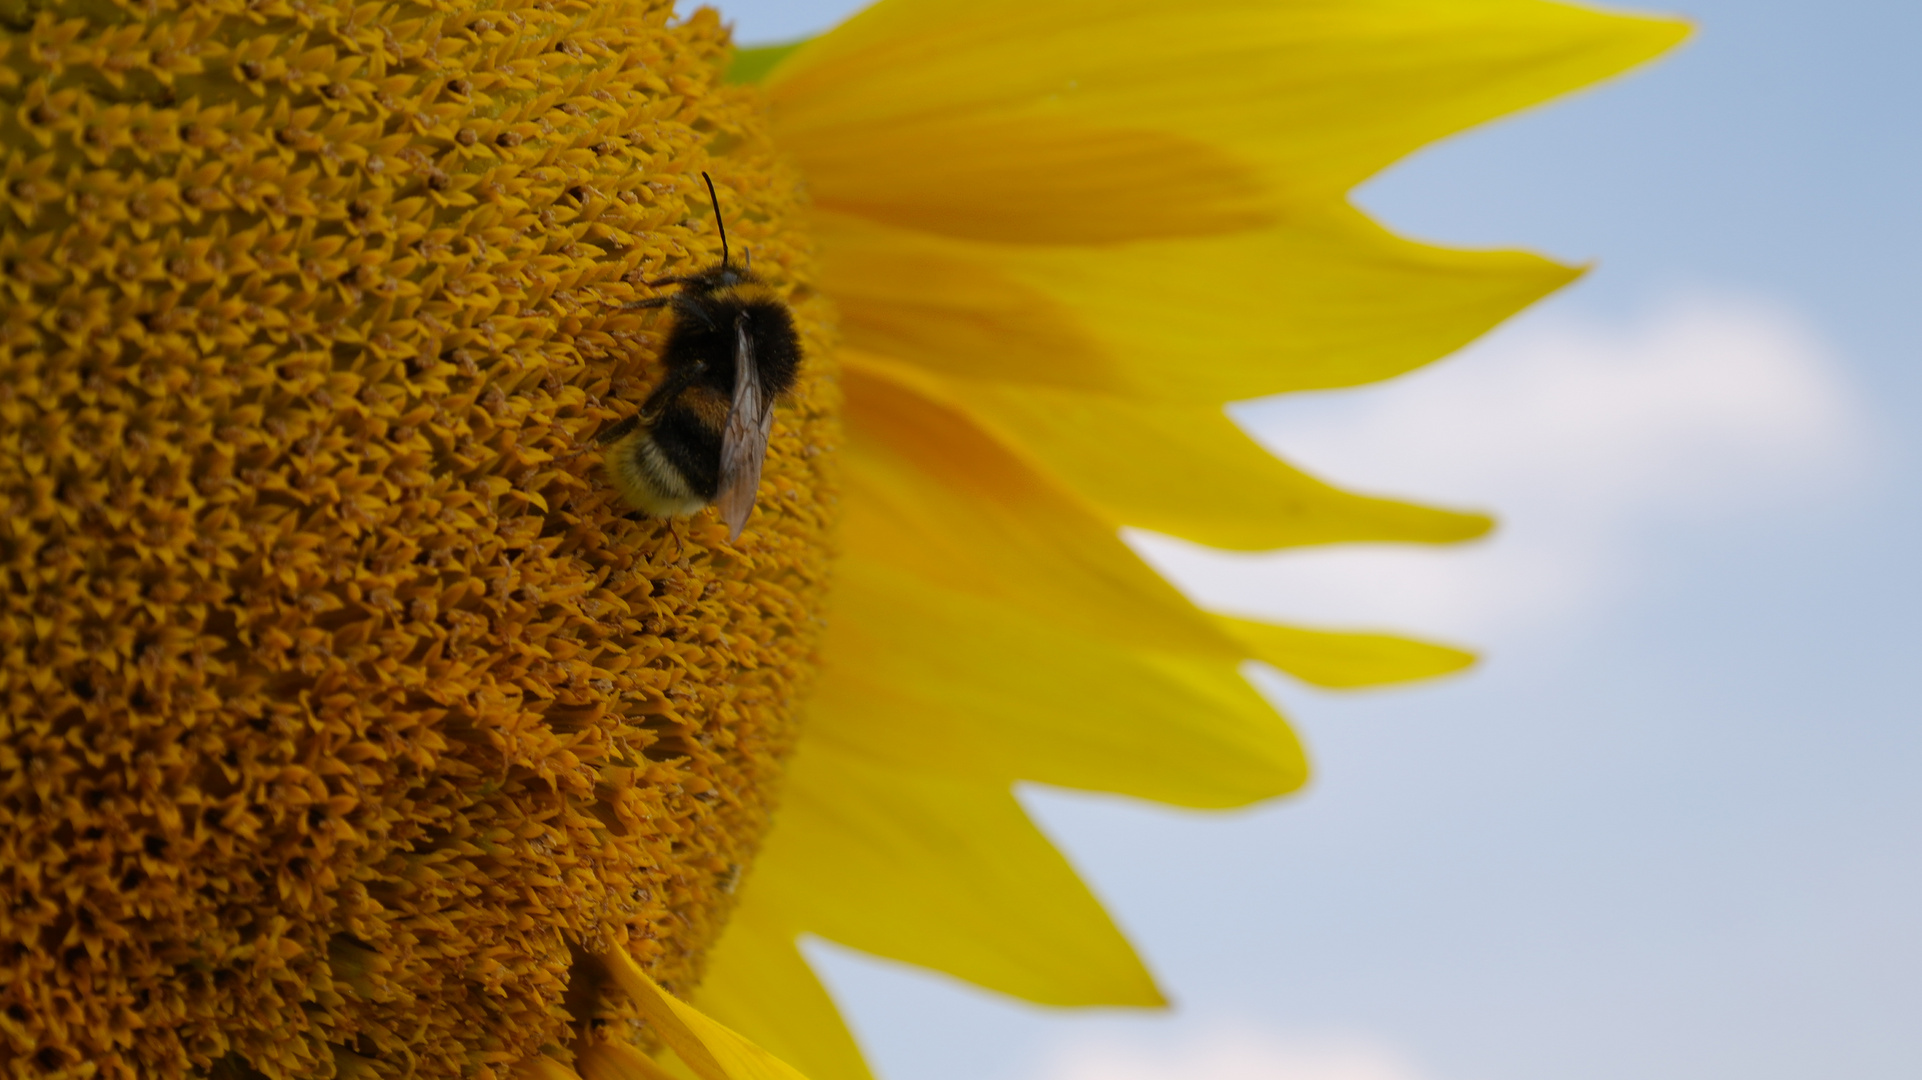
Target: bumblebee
point(700, 437)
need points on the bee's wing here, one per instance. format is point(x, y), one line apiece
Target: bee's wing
point(744, 441)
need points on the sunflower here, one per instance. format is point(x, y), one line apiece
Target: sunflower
point(355, 728)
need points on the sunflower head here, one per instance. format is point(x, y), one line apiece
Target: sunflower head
point(354, 728)
point(347, 711)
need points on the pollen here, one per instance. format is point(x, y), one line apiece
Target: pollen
point(348, 714)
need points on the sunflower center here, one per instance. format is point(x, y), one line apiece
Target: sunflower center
point(349, 713)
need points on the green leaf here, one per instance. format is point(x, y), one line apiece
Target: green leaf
point(752, 65)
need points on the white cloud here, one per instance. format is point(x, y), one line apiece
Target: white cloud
point(1587, 440)
point(1231, 1054)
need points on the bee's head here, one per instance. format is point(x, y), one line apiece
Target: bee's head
point(726, 275)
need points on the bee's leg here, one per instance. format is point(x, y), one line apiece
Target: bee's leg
point(680, 302)
point(620, 429)
point(679, 549)
point(678, 279)
point(693, 308)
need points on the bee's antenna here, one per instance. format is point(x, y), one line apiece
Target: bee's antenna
point(718, 223)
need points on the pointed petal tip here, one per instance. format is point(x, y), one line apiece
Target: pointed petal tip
point(1474, 526)
point(1343, 659)
point(1155, 998)
point(1643, 37)
point(1669, 30)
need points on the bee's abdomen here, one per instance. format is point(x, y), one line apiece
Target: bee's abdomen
point(672, 469)
point(692, 446)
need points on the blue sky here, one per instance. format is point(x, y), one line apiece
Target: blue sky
point(1670, 829)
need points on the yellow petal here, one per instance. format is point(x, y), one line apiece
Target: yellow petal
point(930, 494)
point(619, 1061)
point(1327, 299)
point(988, 623)
point(925, 679)
point(710, 1049)
point(759, 984)
point(1189, 471)
point(1345, 660)
point(542, 1067)
point(1088, 121)
point(945, 873)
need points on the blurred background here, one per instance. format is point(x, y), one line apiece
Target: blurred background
point(1671, 829)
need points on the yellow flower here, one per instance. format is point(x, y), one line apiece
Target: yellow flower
point(352, 727)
